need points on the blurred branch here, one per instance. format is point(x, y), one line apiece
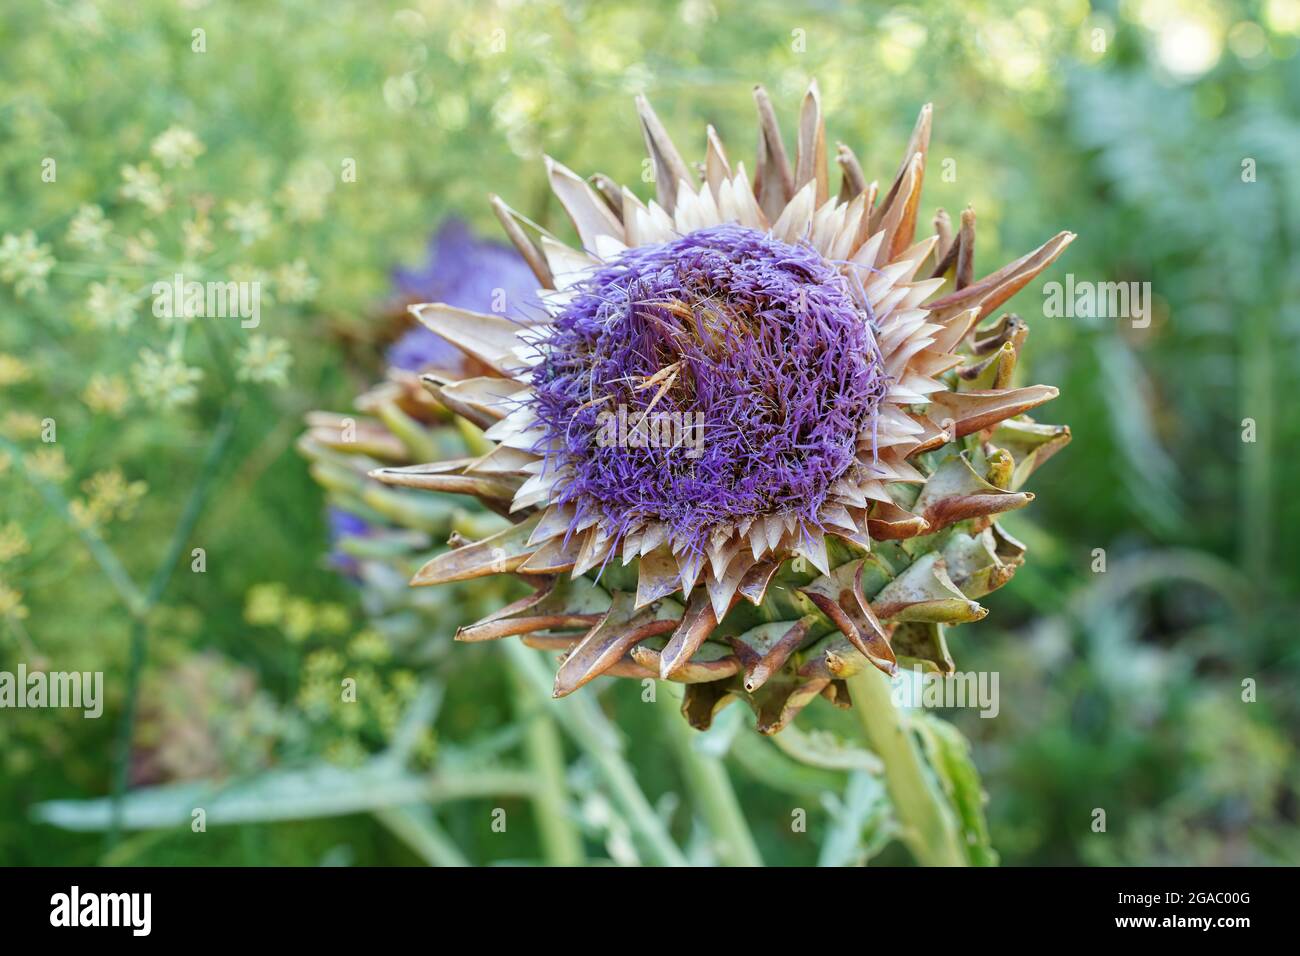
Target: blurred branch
point(1132, 575)
point(99, 550)
point(322, 790)
point(710, 787)
point(587, 727)
point(157, 586)
point(421, 713)
point(415, 825)
point(1256, 479)
point(863, 812)
point(561, 842)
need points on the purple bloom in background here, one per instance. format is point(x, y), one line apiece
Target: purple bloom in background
point(460, 271)
point(344, 524)
point(758, 340)
point(466, 272)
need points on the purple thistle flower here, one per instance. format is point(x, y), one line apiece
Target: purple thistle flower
point(821, 394)
point(468, 273)
point(345, 524)
point(757, 339)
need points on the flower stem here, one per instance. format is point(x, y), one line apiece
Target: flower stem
point(710, 787)
point(928, 826)
point(586, 725)
point(561, 842)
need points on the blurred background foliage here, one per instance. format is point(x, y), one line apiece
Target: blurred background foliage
point(1163, 132)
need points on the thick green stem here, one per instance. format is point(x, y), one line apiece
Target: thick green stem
point(928, 826)
point(561, 842)
point(584, 723)
point(710, 787)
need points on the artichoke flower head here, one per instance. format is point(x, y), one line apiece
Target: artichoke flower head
point(754, 437)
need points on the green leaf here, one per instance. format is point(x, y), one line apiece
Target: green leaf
point(862, 823)
point(321, 790)
point(949, 756)
point(821, 748)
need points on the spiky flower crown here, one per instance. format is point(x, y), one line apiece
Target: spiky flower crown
point(821, 431)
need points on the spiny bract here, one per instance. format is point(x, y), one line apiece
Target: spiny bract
point(755, 436)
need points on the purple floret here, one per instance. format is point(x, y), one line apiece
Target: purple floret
point(468, 273)
point(773, 354)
